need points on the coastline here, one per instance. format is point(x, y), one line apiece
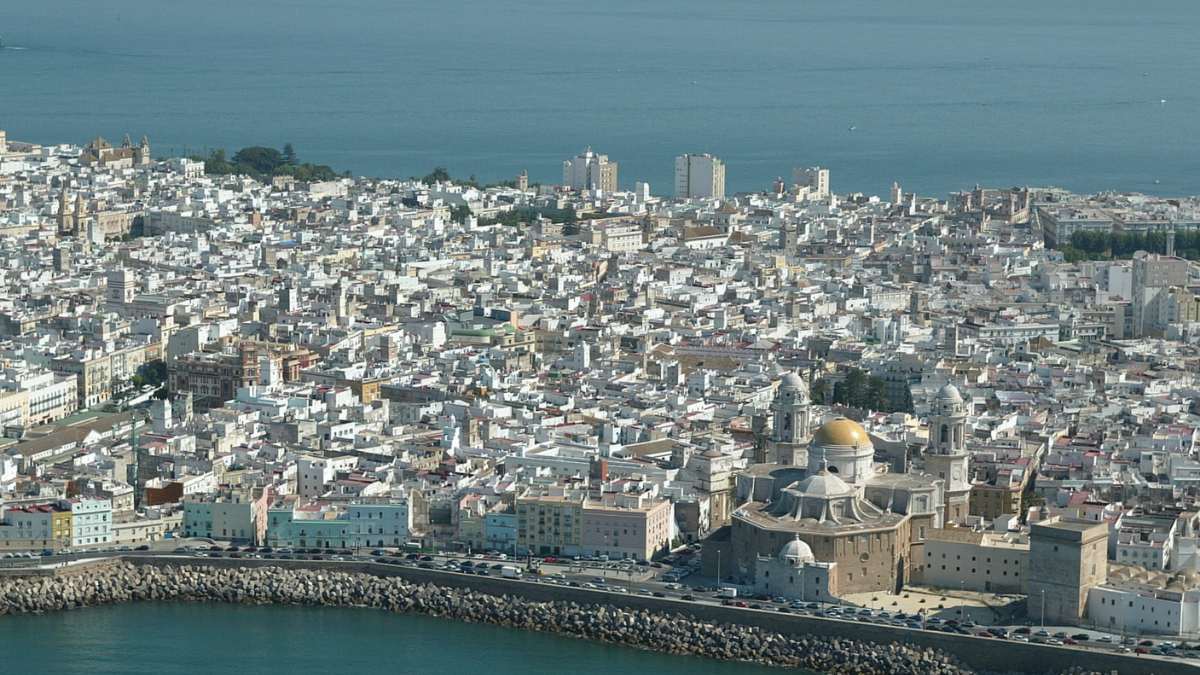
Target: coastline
point(649, 629)
point(643, 629)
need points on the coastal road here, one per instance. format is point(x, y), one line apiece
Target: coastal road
point(604, 580)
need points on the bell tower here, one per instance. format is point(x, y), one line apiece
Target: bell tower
point(946, 456)
point(791, 421)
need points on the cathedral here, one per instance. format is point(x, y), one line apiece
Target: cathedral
point(859, 524)
point(101, 153)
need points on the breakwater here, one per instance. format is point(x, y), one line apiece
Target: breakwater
point(658, 629)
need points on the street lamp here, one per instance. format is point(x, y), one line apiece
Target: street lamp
point(718, 570)
point(1043, 609)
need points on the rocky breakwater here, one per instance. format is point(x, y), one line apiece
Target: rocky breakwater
point(658, 631)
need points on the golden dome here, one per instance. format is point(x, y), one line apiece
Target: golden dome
point(841, 431)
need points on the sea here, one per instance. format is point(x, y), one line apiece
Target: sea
point(937, 94)
point(186, 639)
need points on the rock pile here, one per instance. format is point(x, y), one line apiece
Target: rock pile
point(658, 631)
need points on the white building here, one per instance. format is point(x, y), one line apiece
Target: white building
point(91, 521)
point(313, 473)
point(122, 286)
point(1134, 608)
point(590, 171)
point(699, 176)
point(795, 574)
point(813, 180)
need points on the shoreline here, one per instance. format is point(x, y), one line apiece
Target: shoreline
point(651, 630)
point(663, 632)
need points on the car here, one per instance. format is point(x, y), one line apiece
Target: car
point(1107, 639)
point(181, 549)
point(659, 594)
point(998, 631)
point(267, 556)
point(1020, 630)
point(1042, 633)
point(143, 547)
point(214, 554)
point(755, 605)
point(1061, 634)
point(1020, 638)
point(984, 633)
point(740, 603)
point(689, 596)
point(785, 610)
point(235, 554)
point(426, 558)
point(1141, 650)
point(266, 549)
point(1070, 641)
point(1146, 643)
point(214, 548)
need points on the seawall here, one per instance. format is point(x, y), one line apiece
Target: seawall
point(661, 624)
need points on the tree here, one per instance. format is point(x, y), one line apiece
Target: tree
point(259, 159)
point(438, 175)
point(460, 213)
point(820, 392)
point(856, 388)
point(289, 153)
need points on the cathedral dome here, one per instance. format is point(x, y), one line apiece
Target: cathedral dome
point(823, 485)
point(796, 552)
point(842, 431)
point(949, 393)
point(792, 381)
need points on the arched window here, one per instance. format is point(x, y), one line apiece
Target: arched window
point(945, 433)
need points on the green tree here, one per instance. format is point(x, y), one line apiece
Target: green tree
point(856, 388)
point(820, 392)
point(438, 175)
point(258, 160)
point(289, 153)
point(460, 213)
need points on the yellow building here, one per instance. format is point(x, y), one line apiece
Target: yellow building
point(60, 528)
point(549, 524)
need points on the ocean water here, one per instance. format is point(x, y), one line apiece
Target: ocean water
point(186, 639)
point(938, 94)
